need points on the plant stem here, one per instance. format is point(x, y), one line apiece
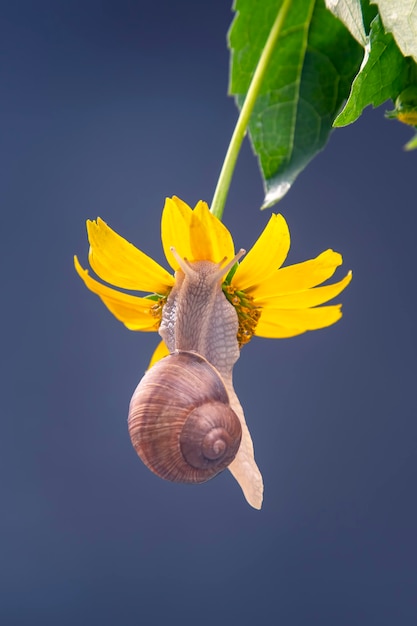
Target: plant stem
point(225, 178)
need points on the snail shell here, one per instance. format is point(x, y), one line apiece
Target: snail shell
point(180, 420)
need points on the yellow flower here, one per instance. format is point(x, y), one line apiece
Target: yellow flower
point(270, 300)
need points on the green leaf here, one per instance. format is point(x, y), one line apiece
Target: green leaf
point(308, 79)
point(411, 144)
point(383, 75)
point(350, 13)
point(400, 18)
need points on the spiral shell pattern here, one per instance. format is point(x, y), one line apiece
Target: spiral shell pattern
point(180, 421)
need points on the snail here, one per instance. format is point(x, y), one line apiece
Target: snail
point(185, 420)
point(181, 423)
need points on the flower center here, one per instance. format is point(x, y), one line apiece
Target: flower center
point(156, 308)
point(247, 312)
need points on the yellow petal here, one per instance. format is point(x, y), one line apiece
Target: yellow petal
point(175, 230)
point(133, 311)
point(119, 263)
point(266, 256)
point(182, 206)
point(300, 276)
point(210, 240)
point(160, 352)
point(279, 323)
point(307, 298)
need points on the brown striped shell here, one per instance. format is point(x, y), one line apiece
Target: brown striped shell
point(180, 420)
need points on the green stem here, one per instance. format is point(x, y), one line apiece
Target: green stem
point(225, 178)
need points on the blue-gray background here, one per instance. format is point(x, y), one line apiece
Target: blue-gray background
point(107, 108)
